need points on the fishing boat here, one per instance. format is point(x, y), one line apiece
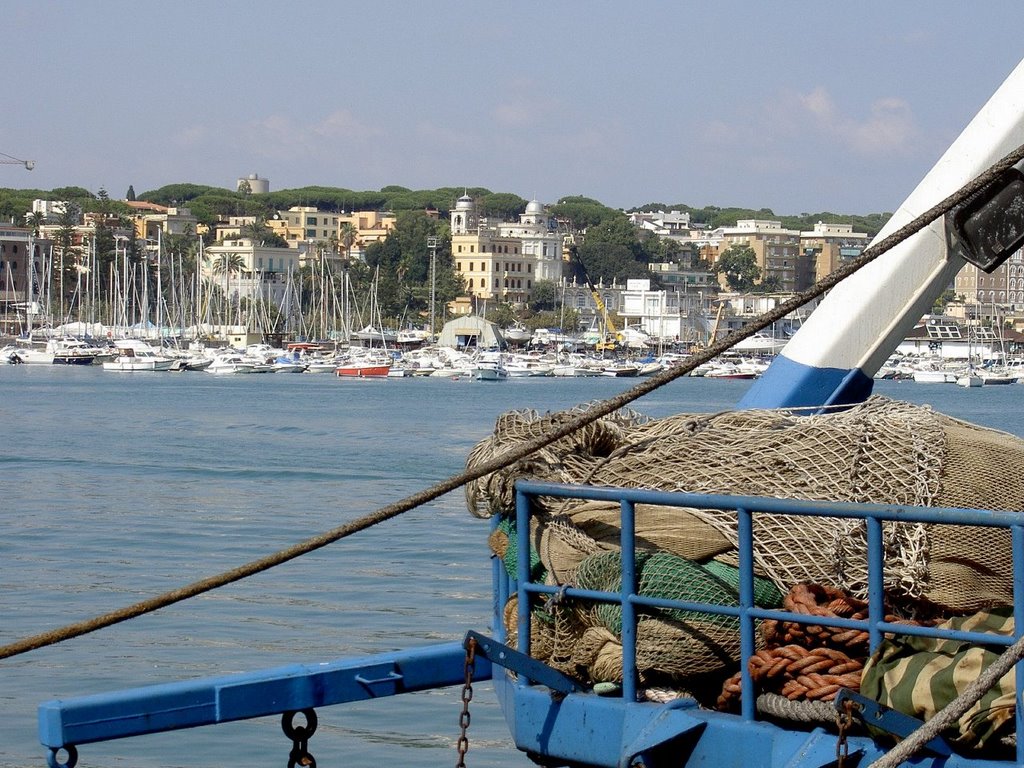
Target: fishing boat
point(621, 709)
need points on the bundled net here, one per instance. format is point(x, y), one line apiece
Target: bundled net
point(882, 451)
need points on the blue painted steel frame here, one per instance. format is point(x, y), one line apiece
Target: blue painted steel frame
point(604, 732)
point(190, 703)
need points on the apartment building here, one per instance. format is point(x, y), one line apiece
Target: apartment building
point(830, 245)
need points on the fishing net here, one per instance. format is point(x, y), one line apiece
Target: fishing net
point(881, 451)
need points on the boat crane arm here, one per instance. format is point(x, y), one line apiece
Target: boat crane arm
point(835, 354)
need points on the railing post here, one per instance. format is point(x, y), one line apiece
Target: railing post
point(523, 573)
point(1017, 540)
point(745, 530)
point(628, 589)
point(876, 581)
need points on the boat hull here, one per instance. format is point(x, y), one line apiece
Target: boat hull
point(363, 371)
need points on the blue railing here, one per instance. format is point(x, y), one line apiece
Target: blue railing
point(747, 613)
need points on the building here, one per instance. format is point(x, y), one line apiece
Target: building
point(370, 227)
point(539, 238)
point(831, 245)
point(260, 271)
point(989, 298)
point(303, 224)
point(15, 245)
point(678, 277)
point(491, 263)
point(503, 260)
point(661, 222)
point(777, 251)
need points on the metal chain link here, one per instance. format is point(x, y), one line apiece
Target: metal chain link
point(299, 734)
point(462, 746)
point(844, 718)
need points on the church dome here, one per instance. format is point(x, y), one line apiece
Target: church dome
point(534, 207)
point(464, 203)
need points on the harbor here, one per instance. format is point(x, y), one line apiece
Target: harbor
point(125, 486)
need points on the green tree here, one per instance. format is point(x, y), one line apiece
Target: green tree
point(346, 238)
point(739, 265)
point(67, 250)
point(544, 296)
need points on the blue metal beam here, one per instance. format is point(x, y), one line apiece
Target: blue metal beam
point(205, 701)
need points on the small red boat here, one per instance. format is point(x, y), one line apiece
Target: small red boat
point(363, 370)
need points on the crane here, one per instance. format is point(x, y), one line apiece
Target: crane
point(6, 159)
point(611, 339)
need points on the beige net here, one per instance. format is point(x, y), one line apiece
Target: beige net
point(882, 451)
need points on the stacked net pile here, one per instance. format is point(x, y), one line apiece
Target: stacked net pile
point(882, 451)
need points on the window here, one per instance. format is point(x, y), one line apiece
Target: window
point(471, 283)
point(311, 221)
point(460, 249)
point(529, 268)
point(472, 249)
point(528, 286)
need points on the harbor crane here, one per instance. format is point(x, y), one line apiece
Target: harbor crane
point(610, 339)
point(6, 159)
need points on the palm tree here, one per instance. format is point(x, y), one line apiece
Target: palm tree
point(347, 236)
point(228, 264)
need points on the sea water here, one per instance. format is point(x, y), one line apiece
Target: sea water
point(117, 487)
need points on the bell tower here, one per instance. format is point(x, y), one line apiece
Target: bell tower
point(464, 218)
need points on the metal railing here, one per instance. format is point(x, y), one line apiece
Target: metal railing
point(746, 612)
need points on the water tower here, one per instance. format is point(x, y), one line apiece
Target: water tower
point(257, 186)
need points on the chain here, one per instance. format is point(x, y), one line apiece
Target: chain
point(299, 734)
point(844, 718)
point(467, 696)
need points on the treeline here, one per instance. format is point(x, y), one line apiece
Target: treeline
point(209, 204)
point(611, 250)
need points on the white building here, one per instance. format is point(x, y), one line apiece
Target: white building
point(260, 271)
point(540, 239)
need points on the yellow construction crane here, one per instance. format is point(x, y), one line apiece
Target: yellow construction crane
point(6, 159)
point(611, 338)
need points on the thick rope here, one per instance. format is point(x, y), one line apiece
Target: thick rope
point(516, 453)
point(953, 711)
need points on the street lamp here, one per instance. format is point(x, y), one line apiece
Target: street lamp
point(432, 245)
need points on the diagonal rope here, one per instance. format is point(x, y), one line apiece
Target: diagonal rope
point(518, 452)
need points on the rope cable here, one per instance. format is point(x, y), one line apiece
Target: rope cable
point(595, 412)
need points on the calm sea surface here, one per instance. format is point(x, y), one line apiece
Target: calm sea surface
point(117, 487)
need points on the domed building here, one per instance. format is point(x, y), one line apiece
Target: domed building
point(503, 260)
point(538, 233)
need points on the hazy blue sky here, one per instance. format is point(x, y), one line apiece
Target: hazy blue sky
point(793, 106)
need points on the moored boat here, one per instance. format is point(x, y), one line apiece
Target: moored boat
point(135, 355)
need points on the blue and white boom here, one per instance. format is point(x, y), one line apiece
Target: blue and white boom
point(833, 357)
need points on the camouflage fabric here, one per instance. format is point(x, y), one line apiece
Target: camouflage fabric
point(919, 676)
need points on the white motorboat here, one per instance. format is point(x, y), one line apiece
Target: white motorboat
point(137, 355)
point(490, 367)
point(230, 363)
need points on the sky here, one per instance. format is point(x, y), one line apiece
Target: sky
point(795, 107)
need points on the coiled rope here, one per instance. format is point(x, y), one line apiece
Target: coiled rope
point(514, 454)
